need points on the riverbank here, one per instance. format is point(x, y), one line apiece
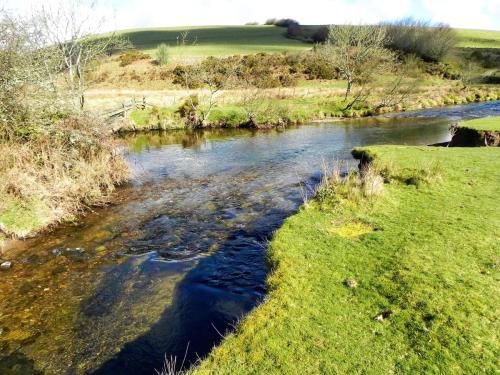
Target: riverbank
point(382, 277)
point(480, 132)
point(53, 175)
point(293, 109)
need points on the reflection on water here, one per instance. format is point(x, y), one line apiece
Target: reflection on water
point(181, 256)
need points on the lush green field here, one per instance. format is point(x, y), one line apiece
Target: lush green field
point(484, 124)
point(424, 255)
point(205, 41)
point(478, 38)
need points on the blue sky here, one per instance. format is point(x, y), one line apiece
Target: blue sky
point(480, 14)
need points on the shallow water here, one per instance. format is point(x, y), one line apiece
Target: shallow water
point(180, 257)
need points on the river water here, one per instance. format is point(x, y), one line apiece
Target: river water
point(181, 256)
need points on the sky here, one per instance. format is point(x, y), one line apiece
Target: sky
point(126, 14)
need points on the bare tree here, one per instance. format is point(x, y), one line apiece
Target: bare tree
point(358, 52)
point(72, 27)
point(212, 76)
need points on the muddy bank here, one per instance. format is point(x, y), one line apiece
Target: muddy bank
point(467, 137)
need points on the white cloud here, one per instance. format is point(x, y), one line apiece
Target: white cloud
point(156, 13)
point(477, 14)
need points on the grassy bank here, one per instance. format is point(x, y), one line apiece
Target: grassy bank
point(56, 174)
point(398, 277)
point(295, 109)
point(479, 132)
point(488, 124)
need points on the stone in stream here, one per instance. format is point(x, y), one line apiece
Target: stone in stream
point(6, 265)
point(58, 251)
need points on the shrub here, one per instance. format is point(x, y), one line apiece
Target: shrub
point(185, 75)
point(320, 35)
point(187, 108)
point(317, 67)
point(162, 54)
point(281, 22)
point(131, 56)
point(431, 42)
point(229, 117)
point(285, 22)
point(442, 70)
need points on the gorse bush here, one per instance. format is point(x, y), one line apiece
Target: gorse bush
point(431, 42)
point(132, 56)
point(162, 54)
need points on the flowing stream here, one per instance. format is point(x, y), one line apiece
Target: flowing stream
point(181, 256)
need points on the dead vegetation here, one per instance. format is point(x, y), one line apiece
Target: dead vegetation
point(52, 178)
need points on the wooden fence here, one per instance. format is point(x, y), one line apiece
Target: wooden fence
point(121, 111)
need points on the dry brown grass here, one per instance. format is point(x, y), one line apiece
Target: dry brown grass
point(56, 175)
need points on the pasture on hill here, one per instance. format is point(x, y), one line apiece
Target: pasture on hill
point(203, 41)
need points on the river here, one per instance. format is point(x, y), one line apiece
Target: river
point(181, 255)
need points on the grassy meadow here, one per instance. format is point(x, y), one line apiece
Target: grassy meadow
point(392, 274)
point(204, 41)
point(478, 38)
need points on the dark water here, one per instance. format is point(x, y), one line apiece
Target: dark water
point(181, 257)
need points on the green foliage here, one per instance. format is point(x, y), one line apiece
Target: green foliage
point(162, 54)
point(442, 70)
point(23, 217)
point(188, 107)
point(132, 56)
point(229, 117)
point(414, 252)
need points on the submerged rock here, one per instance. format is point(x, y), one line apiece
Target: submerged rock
point(58, 251)
point(5, 265)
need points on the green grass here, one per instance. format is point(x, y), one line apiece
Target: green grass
point(206, 41)
point(22, 218)
point(489, 124)
point(478, 38)
point(215, 40)
point(430, 264)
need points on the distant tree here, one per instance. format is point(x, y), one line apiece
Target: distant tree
point(321, 35)
point(282, 22)
point(431, 42)
point(162, 54)
point(212, 75)
point(293, 30)
point(358, 52)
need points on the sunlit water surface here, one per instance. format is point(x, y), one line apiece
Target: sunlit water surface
point(180, 257)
